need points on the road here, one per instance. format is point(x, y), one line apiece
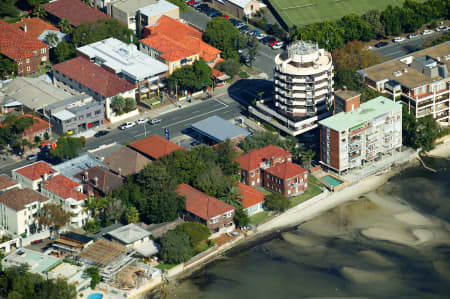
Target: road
point(396, 50)
point(264, 60)
point(176, 122)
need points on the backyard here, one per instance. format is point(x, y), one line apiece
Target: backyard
point(304, 12)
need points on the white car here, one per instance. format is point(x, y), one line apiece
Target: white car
point(442, 28)
point(278, 45)
point(261, 36)
point(411, 36)
point(127, 125)
point(142, 121)
point(398, 39)
point(426, 32)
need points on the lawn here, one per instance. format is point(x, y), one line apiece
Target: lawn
point(165, 266)
point(260, 217)
point(303, 12)
point(312, 191)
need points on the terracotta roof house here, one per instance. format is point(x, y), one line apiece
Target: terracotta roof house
point(37, 129)
point(61, 189)
point(125, 161)
point(98, 181)
point(26, 51)
point(34, 27)
point(79, 75)
point(177, 44)
point(75, 11)
point(16, 207)
point(255, 161)
point(252, 199)
point(154, 147)
point(32, 175)
point(7, 183)
point(215, 214)
point(286, 178)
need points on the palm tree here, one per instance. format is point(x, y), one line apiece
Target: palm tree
point(307, 157)
point(52, 39)
point(232, 196)
point(65, 26)
point(39, 12)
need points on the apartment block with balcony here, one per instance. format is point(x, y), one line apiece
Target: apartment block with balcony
point(357, 137)
point(303, 89)
point(420, 79)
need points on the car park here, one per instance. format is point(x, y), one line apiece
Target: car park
point(32, 157)
point(142, 121)
point(398, 39)
point(155, 121)
point(127, 125)
point(381, 44)
point(427, 32)
point(101, 133)
point(412, 35)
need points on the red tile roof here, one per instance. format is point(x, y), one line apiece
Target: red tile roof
point(286, 170)
point(6, 182)
point(17, 198)
point(39, 125)
point(155, 146)
point(101, 179)
point(93, 76)
point(176, 40)
point(250, 196)
point(63, 187)
point(16, 44)
point(202, 205)
point(34, 26)
point(253, 158)
point(36, 170)
point(75, 11)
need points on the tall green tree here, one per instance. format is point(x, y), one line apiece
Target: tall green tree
point(52, 39)
point(130, 104)
point(276, 202)
point(328, 35)
point(94, 274)
point(241, 218)
point(118, 104)
point(306, 157)
point(67, 148)
point(175, 248)
point(8, 67)
point(191, 77)
point(8, 8)
point(221, 33)
point(65, 26)
point(373, 17)
point(229, 67)
point(356, 27)
point(196, 231)
point(62, 52)
point(39, 12)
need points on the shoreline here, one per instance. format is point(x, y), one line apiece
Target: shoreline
point(301, 213)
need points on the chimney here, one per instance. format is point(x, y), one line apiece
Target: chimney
point(85, 176)
point(119, 171)
point(96, 181)
point(24, 27)
point(45, 177)
point(95, 4)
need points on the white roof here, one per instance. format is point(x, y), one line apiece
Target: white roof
point(158, 8)
point(129, 233)
point(147, 248)
point(123, 58)
point(64, 115)
point(240, 3)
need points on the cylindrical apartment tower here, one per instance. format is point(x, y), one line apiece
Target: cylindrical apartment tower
point(303, 81)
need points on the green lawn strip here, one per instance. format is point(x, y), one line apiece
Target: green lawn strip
point(312, 191)
point(314, 180)
point(165, 266)
point(260, 218)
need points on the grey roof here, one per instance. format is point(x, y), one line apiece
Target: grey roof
point(129, 233)
point(104, 231)
point(105, 150)
point(218, 129)
point(61, 36)
point(64, 115)
point(131, 6)
point(70, 100)
point(124, 58)
point(158, 8)
point(71, 167)
point(33, 93)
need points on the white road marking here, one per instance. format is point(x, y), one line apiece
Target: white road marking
point(193, 117)
point(393, 53)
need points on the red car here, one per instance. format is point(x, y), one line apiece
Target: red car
point(191, 2)
point(225, 16)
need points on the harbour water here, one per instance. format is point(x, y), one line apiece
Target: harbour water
point(392, 242)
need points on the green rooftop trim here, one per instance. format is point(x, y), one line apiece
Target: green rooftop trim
point(367, 111)
point(39, 263)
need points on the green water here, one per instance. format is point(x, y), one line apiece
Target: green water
point(333, 256)
point(332, 181)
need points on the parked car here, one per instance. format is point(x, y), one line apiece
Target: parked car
point(214, 13)
point(155, 121)
point(277, 45)
point(442, 28)
point(235, 22)
point(398, 39)
point(427, 32)
point(239, 25)
point(381, 44)
point(268, 40)
point(225, 16)
point(142, 121)
point(202, 7)
point(245, 58)
point(412, 35)
point(101, 133)
point(196, 5)
point(261, 36)
point(244, 29)
point(127, 125)
point(191, 2)
point(32, 157)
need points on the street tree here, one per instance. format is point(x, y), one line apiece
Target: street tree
point(221, 33)
point(356, 27)
point(67, 148)
point(373, 17)
point(355, 56)
point(253, 51)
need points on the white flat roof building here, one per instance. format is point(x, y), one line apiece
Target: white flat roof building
point(160, 7)
point(124, 59)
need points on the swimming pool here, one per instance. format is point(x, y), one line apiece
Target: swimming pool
point(95, 296)
point(332, 181)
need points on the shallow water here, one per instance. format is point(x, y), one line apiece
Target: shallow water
point(394, 242)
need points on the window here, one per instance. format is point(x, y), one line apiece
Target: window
point(44, 58)
point(89, 114)
point(28, 60)
point(98, 112)
point(252, 174)
point(43, 50)
point(28, 68)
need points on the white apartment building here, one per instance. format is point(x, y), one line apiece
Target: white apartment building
point(31, 176)
point(356, 137)
point(419, 79)
point(303, 89)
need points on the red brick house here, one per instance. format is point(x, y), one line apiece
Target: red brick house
point(26, 51)
point(38, 128)
point(255, 161)
point(34, 27)
point(215, 214)
point(75, 11)
point(286, 178)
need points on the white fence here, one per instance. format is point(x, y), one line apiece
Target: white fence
point(42, 235)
